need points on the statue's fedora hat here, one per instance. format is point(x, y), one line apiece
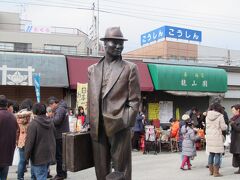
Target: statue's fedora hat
point(113, 33)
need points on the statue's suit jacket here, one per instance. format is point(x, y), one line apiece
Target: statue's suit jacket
point(120, 102)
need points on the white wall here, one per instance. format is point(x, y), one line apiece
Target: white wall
point(218, 56)
point(9, 21)
point(235, 57)
point(233, 79)
point(227, 103)
point(234, 94)
point(212, 55)
point(39, 39)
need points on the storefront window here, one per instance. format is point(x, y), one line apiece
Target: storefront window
point(6, 46)
point(68, 50)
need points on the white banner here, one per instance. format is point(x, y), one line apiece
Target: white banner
point(166, 111)
point(82, 90)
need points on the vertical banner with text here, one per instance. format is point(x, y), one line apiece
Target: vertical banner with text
point(166, 111)
point(36, 79)
point(82, 90)
point(153, 111)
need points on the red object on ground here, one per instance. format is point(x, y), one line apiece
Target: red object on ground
point(142, 143)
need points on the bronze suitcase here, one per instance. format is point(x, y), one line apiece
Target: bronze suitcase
point(77, 151)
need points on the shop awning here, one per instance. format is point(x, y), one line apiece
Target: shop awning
point(145, 78)
point(188, 78)
point(77, 68)
point(18, 69)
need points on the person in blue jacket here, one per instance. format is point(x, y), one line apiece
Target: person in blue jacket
point(137, 130)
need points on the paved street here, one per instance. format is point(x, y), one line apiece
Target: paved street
point(164, 166)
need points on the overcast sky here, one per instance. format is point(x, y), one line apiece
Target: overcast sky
point(219, 20)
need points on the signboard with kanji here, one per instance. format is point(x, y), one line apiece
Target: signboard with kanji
point(188, 78)
point(82, 90)
point(153, 111)
point(171, 32)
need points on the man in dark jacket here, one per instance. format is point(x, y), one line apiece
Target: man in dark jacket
point(193, 116)
point(8, 129)
point(137, 129)
point(40, 145)
point(60, 120)
point(235, 137)
point(226, 119)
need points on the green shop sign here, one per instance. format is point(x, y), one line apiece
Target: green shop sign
point(188, 78)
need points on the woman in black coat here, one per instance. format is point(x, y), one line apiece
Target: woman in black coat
point(235, 137)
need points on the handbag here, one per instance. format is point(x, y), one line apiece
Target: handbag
point(16, 157)
point(227, 140)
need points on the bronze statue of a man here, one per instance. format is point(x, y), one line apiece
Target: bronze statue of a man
point(113, 103)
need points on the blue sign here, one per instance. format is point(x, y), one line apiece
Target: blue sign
point(36, 79)
point(171, 32)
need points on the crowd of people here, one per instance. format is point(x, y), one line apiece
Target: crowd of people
point(216, 126)
point(194, 127)
point(35, 130)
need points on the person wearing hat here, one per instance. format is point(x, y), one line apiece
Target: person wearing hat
point(113, 104)
point(188, 144)
point(182, 123)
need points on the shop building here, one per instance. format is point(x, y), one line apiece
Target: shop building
point(20, 35)
point(17, 71)
point(24, 46)
point(179, 54)
point(232, 96)
point(178, 88)
point(166, 50)
point(78, 66)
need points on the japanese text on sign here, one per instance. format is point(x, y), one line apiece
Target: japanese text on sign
point(82, 90)
point(171, 32)
point(37, 29)
point(153, 111)
point(197, 79)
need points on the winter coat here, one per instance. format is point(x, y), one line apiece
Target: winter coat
point(23, 119)
point(60, 119)
point(181, 124)
point(215, 124)
point(8, 129)
point(40, 144)
point(138, 127)
point(235, 137)
point(82, 118)
point(226, 119)
point(188, 144)
point(175, 130)
point(194, 119)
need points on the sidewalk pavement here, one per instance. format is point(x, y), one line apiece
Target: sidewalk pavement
point(164, 166)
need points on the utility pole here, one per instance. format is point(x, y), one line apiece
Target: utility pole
point(93, 34)
point(97, 27)
point(94, 29)
point(228, 58)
